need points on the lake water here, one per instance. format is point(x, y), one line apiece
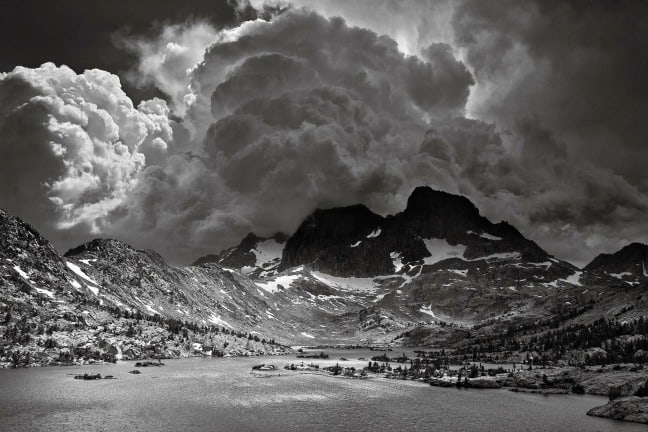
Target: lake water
point(223, 395)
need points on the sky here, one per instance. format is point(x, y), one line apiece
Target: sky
point(182, 126)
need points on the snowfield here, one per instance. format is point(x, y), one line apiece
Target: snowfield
point(348, 283)
point(272, 286)
point(90, 283)
point(268, 252)
point(441, 250)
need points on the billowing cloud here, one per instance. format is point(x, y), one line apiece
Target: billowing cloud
point(297, 113)
point(167, 59)
point(73, 145)
point(506, 104)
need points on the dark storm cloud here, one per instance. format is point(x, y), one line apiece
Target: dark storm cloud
point(531, 109)
point(580, 67)
point(301, 112)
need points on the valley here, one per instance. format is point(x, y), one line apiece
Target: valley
point(438, 275)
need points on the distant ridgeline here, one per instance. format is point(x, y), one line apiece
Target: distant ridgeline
point(437, 274)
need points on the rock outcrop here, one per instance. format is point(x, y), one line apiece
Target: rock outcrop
point(632, 408)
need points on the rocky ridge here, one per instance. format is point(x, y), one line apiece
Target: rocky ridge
point(436, 274)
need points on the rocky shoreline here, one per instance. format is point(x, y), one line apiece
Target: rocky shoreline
point(631, 408)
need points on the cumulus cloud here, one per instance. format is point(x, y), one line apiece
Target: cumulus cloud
point(73, 144)
point(413, 25)
point(297, 113)
point(167, 59)
point(302, 109)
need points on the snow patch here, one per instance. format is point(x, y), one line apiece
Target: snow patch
point(440, 250)
point(348, 283)
point(574, 279)
point(620, 275)
point(499, 256)
point(463, 273)
point(356, 244)
point(87, 261)
point(268, 253)
point(75, 284)
point(150, 309)
point(310, 336)
point(428, 311)
point(75, 268)
point(375, 233)
point(246, 270)
point(48, 293)
point(21, 272)
point(397, 261)
point(489, 237)
point(219, 321)
point(485, 235)
point(273, 285)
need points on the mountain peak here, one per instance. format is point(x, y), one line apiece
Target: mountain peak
point(426, 197)
point(631, 258)
point(437, 214)
point(98, 245)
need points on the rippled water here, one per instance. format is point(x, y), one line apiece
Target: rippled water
point(222, 395)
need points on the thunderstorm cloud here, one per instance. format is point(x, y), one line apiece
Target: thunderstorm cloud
point(533, 110)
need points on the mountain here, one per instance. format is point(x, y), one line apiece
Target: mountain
point(628, 265)
point(437, 261)
point(353, 241)
point(436, 274)
point(255, 256)
point(105, 300)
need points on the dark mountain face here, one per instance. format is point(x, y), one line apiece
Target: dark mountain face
point(435, 214)
point(629, 259)
point(331, 240)
point(353, 241)
point(628, 266)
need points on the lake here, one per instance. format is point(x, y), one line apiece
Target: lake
point(223, 395)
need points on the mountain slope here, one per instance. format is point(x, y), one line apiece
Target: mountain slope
point(629, 265)
point(105, 301)
point(437, 261)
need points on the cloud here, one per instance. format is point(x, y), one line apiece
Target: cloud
point(578, 67)
point(167, 59)
point(297, 113)
point(73, 145)
point(413, 26)
point(567, 205)
point(277, 116)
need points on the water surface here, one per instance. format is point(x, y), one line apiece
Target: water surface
point(222, 395)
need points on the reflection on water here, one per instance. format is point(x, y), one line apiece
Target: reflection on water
point(222, 395)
